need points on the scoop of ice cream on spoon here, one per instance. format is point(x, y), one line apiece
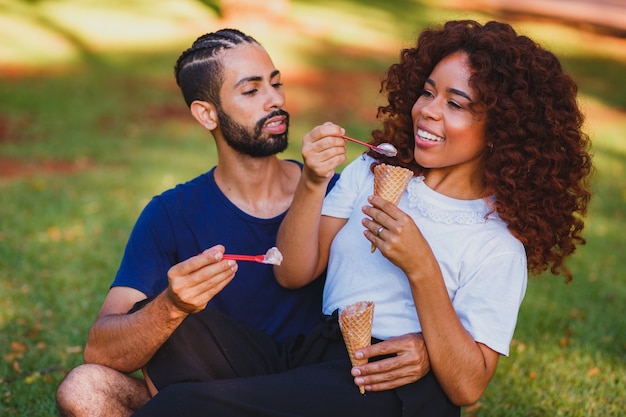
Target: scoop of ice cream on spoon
point(273, 256)
point(386, 149)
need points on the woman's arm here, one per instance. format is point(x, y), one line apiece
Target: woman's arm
point(304, 235)
point(462, 366)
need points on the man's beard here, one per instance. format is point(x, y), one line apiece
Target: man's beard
point(255, 144)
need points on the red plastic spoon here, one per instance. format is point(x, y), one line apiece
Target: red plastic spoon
point(253, 258)
point(273, 257)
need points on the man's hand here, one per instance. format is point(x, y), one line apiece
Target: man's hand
point(409, 363)
point(126, 342)
point(195, 281)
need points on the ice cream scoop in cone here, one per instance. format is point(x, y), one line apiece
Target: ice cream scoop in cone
point(390, 182)
point(355, 322)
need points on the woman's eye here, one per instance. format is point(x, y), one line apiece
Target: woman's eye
point(249, 92)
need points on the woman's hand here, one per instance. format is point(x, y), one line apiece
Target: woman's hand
point(323, 150)
point(395, 234)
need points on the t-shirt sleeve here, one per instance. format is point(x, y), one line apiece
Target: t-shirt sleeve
point(149, 252)
point(488, 303)
point(339, 202)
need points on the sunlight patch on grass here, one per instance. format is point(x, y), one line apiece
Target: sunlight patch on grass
point(62, 31)
point(27, 42)
point(609, 139)
point(560, 39)
point(144, 25)
point(347, 24)
point(568, 41)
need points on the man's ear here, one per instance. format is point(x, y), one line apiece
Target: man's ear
point(205, 113)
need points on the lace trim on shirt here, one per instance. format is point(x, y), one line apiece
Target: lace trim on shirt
point(439, 215)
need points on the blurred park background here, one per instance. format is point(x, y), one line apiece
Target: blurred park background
point(92, 126)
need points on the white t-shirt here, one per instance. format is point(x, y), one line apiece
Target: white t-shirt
point(483, 265)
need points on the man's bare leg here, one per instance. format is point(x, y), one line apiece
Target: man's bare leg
point(95, 391)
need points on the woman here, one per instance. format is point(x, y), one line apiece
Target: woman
point(489, 124)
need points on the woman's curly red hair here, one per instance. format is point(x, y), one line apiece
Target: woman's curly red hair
point(539, 164)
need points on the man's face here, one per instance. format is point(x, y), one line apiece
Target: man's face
point(251, 116)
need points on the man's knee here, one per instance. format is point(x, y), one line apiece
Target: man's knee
point(95, 390)
point(78, 390)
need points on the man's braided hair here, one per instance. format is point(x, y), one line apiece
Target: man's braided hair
point(198, 70)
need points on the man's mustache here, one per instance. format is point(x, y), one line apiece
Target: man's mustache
point(275, 113)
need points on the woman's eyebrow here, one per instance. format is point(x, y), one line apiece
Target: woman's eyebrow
point(459, 92)
point(451, 90)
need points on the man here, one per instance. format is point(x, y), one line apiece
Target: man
point(233, 90)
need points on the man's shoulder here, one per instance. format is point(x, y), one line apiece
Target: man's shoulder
point(189, 187)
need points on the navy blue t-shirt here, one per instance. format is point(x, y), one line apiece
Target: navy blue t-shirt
point(194, 216)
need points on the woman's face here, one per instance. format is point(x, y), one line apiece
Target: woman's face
point(448, 135)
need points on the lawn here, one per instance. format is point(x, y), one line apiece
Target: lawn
point(92, 126)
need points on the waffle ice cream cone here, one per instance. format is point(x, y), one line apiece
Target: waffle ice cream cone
point(355, 322)
point(390, 182)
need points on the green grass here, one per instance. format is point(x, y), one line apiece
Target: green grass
point(113, 115)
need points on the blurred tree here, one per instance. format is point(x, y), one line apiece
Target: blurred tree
point(236, 9)
point(212, 4)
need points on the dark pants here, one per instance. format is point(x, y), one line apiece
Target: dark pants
point(214, 366)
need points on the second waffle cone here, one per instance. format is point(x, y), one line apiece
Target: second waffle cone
point(355, 322)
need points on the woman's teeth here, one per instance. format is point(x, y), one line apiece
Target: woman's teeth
point(429, 136)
